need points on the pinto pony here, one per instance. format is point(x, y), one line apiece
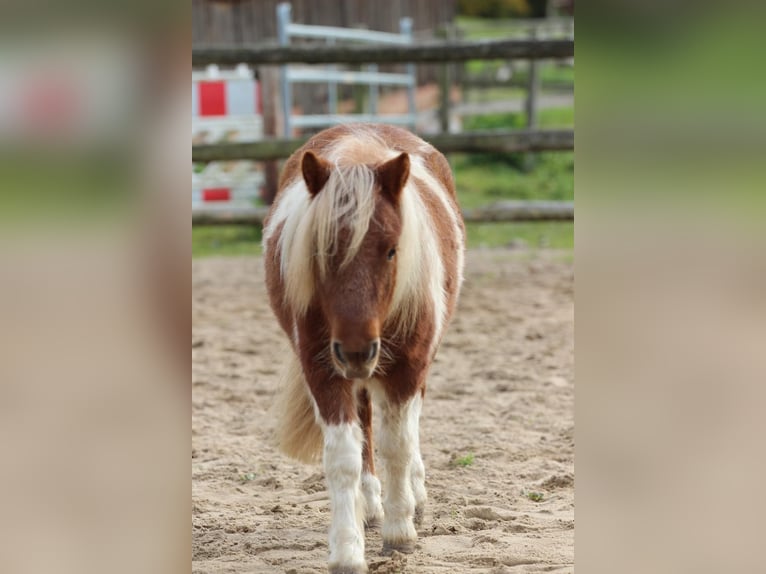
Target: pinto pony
point(364, 250)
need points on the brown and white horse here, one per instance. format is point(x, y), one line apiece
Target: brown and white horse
point(364, 250)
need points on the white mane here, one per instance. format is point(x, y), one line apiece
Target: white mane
point(310, 229)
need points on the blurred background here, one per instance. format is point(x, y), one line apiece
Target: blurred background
point(94, 287)
point(241, 103)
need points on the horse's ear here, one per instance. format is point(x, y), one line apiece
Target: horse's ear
point(393, 174)
point(316, 172)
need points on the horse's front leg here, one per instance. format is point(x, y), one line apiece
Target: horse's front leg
point(404, 473)
point(342, 459)
point(343, 468)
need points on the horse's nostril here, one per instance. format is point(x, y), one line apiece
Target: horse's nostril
point(338, 352)
point(373, 351)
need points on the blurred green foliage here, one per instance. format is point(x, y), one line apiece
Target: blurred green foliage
point(211, 240)
point(493, 8)
point(673, 112)
point(502, 8)
point(562, 163)
point(40, 187)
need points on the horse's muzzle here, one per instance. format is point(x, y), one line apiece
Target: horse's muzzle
point(358, 361)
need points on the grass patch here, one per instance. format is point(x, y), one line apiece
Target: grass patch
point(497, 93)
point(474, 28)
point(44, 188)
point(211, 240)
point(535, 496)
point(546, 118)
point(485, 178)
point(464, 461)
point(538, 234)
point(556, 118)
point(550, 73)
point(557, 73)
point(482, 179)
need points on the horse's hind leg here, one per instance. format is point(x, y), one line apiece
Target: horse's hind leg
point(370, 483)
point(398, 444)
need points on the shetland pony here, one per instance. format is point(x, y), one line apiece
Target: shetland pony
point(364, 250)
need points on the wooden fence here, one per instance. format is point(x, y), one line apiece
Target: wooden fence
point(247, 22)
point(500, 141)
point(241, 22)
point(418, 53)
point(470, 142)
point(500, 211)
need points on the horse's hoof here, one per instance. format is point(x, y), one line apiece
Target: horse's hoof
point(348, 570)
point(372, 523)
point(418, 517)
point(407, 547)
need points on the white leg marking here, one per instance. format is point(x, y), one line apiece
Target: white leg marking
point(371, 491)
point(417, 468)
point(396, 448)
point(343, 468)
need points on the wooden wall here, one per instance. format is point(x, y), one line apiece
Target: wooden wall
point(227, 22)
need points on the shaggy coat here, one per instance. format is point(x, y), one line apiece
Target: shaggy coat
point(363, 250)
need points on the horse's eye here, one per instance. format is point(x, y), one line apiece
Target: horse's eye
point(391, 254)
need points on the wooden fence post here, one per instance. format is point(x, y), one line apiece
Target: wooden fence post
point(445, 83)
point(533, 89)
point(269, 77)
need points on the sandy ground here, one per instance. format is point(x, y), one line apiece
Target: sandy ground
point(501, 390)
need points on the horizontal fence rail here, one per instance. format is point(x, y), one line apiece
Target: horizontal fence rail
point(356, 35)
point(500, 141)
point(346, 77)
point(521, 211)
point(322, 120)
point(434, 52)
point(504, 211)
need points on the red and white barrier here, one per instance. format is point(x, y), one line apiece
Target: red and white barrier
point(217, 93)
point(226, 107)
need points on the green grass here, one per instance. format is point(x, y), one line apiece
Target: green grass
point(535, 496)
point(542, 234)
point(42, 187)
point(491, 28)
point(486, 178)
point(552, 72)
point(548, 71)
point(464, 461)
point(556, 118)
point(495, 29)
point(546, 118)
point(495, 94)
point(210, 240)
point(483, 180)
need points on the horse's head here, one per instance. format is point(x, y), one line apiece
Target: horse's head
point(356, 270)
